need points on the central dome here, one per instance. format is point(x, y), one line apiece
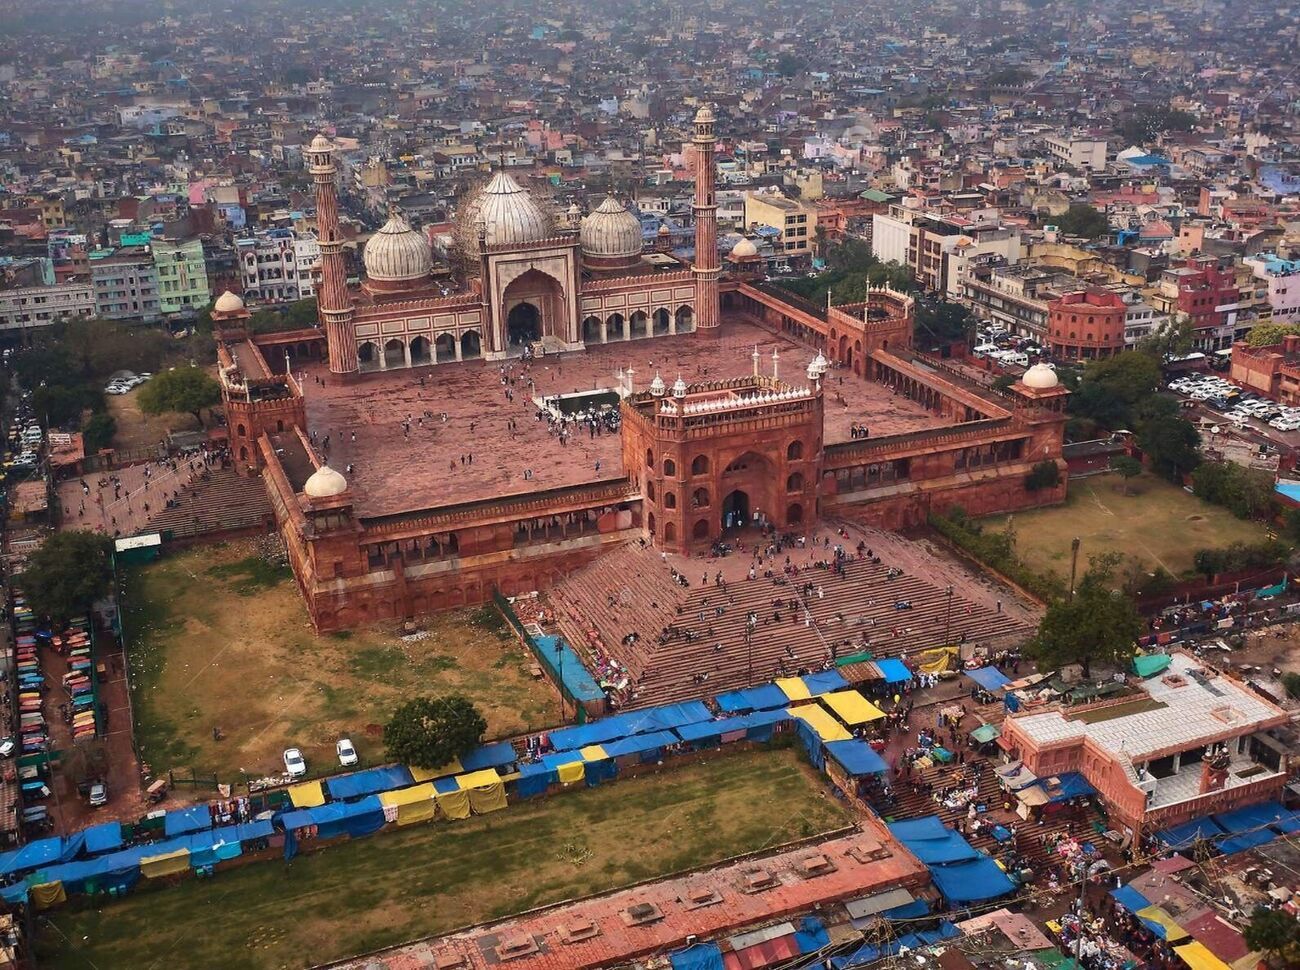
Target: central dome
point(397, 253)
point(611, 231)
point(1040, 377)
point(504, 214)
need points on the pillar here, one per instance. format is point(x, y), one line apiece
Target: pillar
point(706, 268)
point(334, 302)
point(604, 332)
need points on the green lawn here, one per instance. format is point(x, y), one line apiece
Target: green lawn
point(426, 879)
point(1158, 523)
point(217, 638)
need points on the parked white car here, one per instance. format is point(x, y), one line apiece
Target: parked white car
point(346, 752)
point(294, 763)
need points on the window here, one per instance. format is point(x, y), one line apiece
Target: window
point(794, 483)
point(700, 465)
point(700, 498)
point(670, 467)
point(649, 458)
point(670, 500)
point(795, 451)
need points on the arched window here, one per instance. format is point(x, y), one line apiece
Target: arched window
point(650, 491)
point(700, 498)
point(700, 465)
point(795, 451)
point(650, 523)
point(649, 458)
point(701, 529)
point(794, 514)
point(670, 500)
point(670, 532)
point(240, 430)
point(670, 467)
point(794, 483)
point(279, 425)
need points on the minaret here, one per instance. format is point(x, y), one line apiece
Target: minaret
point(706, 267)
point(333, 300)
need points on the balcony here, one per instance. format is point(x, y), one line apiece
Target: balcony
point(1184, 785)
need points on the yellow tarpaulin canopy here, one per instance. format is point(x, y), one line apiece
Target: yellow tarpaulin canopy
point(794, 688)
point(414, 804)
point(486, 791)
point(478, 779)
point(1173, 932)
point(593, 752)
point(307, 795)
point(167, 864)
point(454, 804)
point(938, 660)
point(571, 772)
point(852, 707)
point(820, 720)
point(452, 767)
point(48, 894)
point(1196, 956)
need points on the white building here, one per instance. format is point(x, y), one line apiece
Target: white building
point(275, 265)
point(1077, 152)
point(1283, 279)
point(40, 306)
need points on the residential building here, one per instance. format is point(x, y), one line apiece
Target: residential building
point(926, 242)
point(1015, 298)
point(796, 220)
point(1203, 293)
point(126, 284)
point(1282, 278)
point(1086, 325)
point(1196, 742)
point(39, 306)
point(1077, 151)
point(182, 276)
point(275, 265)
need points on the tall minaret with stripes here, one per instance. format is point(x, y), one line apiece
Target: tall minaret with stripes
point(706, 268)
point(333, 300)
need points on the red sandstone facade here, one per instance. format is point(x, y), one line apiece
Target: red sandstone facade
point(1086, 325)
point(1274, 371)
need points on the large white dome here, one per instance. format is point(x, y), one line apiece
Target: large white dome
point(397, 253)
point(611, 231)
point(506, 215)
point(745, 249)
point(228, 302)
point(325, 482)
point(1040, 377)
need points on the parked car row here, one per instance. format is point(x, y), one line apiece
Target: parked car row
point(1005, 348)
point(123, 385)
point(1238, 406)
point(23, 442)
point(295, 765)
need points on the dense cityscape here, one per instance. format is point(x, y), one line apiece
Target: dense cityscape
point(707, 486)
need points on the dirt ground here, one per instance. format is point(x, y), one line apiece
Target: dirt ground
point(135, 429)
point(431, 878)
point(216, 638)
point(1158, 522)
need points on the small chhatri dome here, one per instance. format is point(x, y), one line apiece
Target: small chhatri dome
point(611, 231)
point(321, 144)
point(745, 249)
point(705, 116)
point(664, 230)
point(228, 303)
point(504, 213)
point(397, 253)
point(1040, 377)
point(679, 387)
point(821, 363)
point(657, 387)
point(325, 482)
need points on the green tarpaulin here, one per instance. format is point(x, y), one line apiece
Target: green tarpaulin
point(986, 733)
point(1151, 664)
point(855, 658)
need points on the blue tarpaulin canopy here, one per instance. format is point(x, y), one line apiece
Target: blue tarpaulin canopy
point(103, 838)
point(969, 882)
point(1070, 785)
point(990, 678)
point(489, 756)
point(915, 829)
point(727, 725)
point(1189, 832)
point(369, 782)
point(1251, 817)
point(824, 682)
point(32, 855)
point(856, 757)
point(1246, 840)
point(893, 670)
point(1130, 899)
point(701, 956)
point(651, 719)
point(811, 935)
point(934, 852)
point(762, 698)
point(913, 910)
point(183, 820)
point(641, 744)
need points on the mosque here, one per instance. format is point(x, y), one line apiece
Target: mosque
point(583, 390)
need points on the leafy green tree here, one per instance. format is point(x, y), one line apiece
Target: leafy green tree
point(429, 732)
point(1126, 467)
point(1276, 934)
point(1174, 339)
point(1112, 389)
point(185, 390)
point(1082, 219)
point(1270, 334)
point(1291, 681)
point(942, 322)
point(1246, 492)
point(61, 405)
point(1099, 625)
point(1169, 441)
point(98, 431)
point(67, 574)
point(1045, 474)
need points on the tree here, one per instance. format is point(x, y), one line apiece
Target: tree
point(1112, 389)
point(1099, 625)
point(942, 322)
point(1269, 334)
point(1082, 219)
point(67, 574)
point(1045, 474)
point(1291, 681)
point(1174, 338)
point(1126, 467)
point(1170, 441)
point(1276, 934)
point(429, 732)
point(187, 390)
point(98, 431)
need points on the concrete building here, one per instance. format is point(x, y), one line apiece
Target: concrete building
point(275, 265)
point(29, 307)
point(1015, 298)
point(939, 249)
point(182, 276)
point(1282, 278)
point(796, 220)
point(126, 284)
point(1205, 294)
point(1086, 325)
point(1076, 151)
point(1197, 742)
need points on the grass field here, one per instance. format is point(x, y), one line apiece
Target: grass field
point(217, 638)
point(428, 879)
point(1158, 523)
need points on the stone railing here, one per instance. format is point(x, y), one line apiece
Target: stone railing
point(932, 439)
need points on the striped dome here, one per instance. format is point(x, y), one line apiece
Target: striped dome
point(397, 253)
point(506, 214)
point(611, 231)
